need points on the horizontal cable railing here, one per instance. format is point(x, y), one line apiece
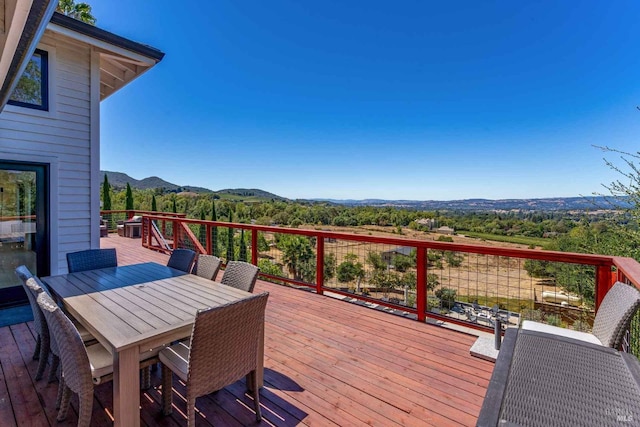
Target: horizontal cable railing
point(466, 284)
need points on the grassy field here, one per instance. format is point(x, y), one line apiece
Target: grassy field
point(522, 240)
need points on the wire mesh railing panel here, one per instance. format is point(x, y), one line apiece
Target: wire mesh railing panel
point(377, 271)
point(480, 288)
point(113, 219)
point(288, 256)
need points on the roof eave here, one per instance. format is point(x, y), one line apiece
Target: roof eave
point(22, 38)
point(107, 37)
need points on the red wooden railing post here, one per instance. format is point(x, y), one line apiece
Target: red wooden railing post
point(176, 233)
point(254, 246)
point(604, 282)
point(421, 285)
point(319, 264)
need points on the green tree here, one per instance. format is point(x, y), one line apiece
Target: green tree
point(296, 252)
point(29, 87)
point(214, 231)
point(154, 204)
point(375, 261)
point(129, 198)
point(268, 267)
point(230, 248)
point(329, 270)
point(402, 263)
point(79, 11)
point(106, 194)
point(350, 270)
point(174, 207)
point(242, 256)
point(202, 230)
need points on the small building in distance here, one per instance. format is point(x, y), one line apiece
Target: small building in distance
point(446, 230)
point(388, 256)
point(428, 223)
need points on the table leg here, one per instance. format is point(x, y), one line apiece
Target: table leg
point(126, 388)
point(260, 370)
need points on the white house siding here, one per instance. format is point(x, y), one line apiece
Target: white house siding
point(62, 137)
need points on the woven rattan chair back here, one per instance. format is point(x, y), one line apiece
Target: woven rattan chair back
point(39, 323)
point(224, 344)
point(182, 259)
point(615, 313)
point(73, 357)
point(43, 344)
point(91, 259)
point(207, 266)
point(240, 275)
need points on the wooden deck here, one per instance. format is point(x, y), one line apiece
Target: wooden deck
point(327, 362)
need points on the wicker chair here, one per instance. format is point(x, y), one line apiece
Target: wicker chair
point(240, 275)
point(612, 319)
point(45, 344)
point(91, 259)
point(41, 353)
point(182, 259)
point(207, 266)
point(82, 367)
point(224, 348)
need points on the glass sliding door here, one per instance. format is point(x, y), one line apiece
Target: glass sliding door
point(23, 226)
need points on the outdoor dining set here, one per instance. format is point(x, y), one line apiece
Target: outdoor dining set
point(101, 322)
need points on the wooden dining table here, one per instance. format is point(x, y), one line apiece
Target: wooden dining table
point(134, 308)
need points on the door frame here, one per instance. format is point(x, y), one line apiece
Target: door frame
point(15, 295)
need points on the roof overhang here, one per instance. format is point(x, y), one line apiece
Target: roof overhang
point(22, 24)
point(121, 60)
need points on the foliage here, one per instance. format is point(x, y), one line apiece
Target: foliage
point(230, 232)
point(402, 263)
point(297, 252)
point(154, 204)
point(454, 259)
point(375, 261)
point(350, 270)
point(242, 256)
point(202, 230)
point(447, 296)
point(106, 194)
point(553, 320)
point(432, 281)
point(214, 231)
point(444, 238)
point(268, 267)
point(129, 198)
point(28, 88)
point(329, 270)
point(79, 11)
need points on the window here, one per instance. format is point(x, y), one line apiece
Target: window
point(32, 90)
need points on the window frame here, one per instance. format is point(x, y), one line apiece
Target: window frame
point(44, 84)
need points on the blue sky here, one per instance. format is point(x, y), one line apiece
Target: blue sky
point(400, 100)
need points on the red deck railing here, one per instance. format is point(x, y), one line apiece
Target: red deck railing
point(477, 276)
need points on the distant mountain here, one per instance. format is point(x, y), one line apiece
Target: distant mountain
point(119, 180)
point(543, 204)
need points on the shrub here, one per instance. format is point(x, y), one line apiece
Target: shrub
point(447, 296)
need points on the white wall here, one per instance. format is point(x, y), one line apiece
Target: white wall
point(62, 137)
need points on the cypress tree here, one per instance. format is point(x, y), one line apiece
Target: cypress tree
point(214, 231)
point(106, 194)
point(154, 206)
point(243, 247)
point(129, 199)
point(175, 208)
point(202, 236)
point(230, 240)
